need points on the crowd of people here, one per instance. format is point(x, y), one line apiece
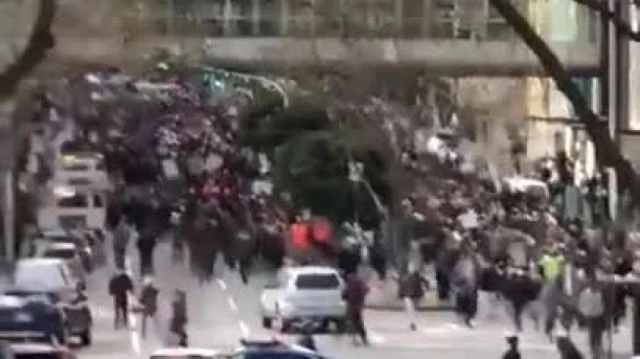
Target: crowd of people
point(179, 175)
point(182, 176)
point(523, 248)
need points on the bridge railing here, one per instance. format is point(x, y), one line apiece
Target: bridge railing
point(580, 26)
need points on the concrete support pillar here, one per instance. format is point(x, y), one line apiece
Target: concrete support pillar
point(399, 15)
point(170, 17)
point(226, 14)
point(256, 17)
point(312, 18)
point(284, 17)
point(427, 17)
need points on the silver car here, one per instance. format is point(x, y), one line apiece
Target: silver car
point(300, 293)
point(69, 253)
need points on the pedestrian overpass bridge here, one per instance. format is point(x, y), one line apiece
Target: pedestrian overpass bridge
point(283, 38)
point(444, 57)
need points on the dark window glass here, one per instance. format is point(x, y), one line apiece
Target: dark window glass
point(73, 202)
point(59, 253)
point(317, 281)
point(38, 356)
point(273, 355)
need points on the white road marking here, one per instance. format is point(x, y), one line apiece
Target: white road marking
point(134, 335)
point(244, 329)
point(222, 284)
point(232, 304)
point(443, 329)
point(375, 338)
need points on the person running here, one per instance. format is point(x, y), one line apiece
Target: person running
point(411, 292)
point(146, 245)
point(121, 236)
point(149, 301)
point(120, 287)
point(178, 322)
point(354, 295)
point(512, 352)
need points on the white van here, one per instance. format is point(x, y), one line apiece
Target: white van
point(73, 207)
point(82, 169)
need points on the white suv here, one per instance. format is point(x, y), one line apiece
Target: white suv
point(302, 293)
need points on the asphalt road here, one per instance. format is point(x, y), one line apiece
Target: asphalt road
point(225, 310)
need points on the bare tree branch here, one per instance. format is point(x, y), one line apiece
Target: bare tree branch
point(607, 153)
point(40, 41)
point(603, 8)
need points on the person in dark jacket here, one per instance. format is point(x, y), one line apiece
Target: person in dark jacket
point(146, 244)
point(512, 352)
point(566, 348)
point(411, 292)
point(244, 251)
point(120, 286)
point(348, 259)
point(149, 301)
point(178, 322)
point(354, 294)
point(519, 289)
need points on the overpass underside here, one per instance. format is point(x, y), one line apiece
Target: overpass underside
point(444, 37)
point(439, 57)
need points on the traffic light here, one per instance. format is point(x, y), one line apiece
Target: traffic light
point(216, 80)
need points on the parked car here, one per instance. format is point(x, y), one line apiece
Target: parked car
point(82, 169)
point(82, 242)
point(31, 318)
point(40, 351)
point(73, 207)
point(53, 277)
point(69, 253)
point(272, 349)
point(189, 353)
point(309, 292)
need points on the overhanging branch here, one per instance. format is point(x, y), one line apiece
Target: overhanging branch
point(603, 9)
point(40, 41)
point(607, 153)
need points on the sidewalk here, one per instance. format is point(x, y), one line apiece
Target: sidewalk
point(383, 295)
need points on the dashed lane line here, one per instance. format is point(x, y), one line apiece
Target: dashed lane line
point(376, 338)
point(244, 329)
point(232, 304)
point(222, 284)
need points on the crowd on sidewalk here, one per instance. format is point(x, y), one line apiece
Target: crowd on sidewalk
point(523, 248)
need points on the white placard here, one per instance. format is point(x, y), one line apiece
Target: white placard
point(170, 169)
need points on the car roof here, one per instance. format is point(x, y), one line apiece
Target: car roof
point(36, 262)
point(59, 232)
point(311, 270)
point(273, 346)
point(61, 246)
point(82, 156)
point(33, 348)
point(180, 352)
point(11, 301)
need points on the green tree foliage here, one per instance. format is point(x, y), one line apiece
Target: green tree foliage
point(311, 156)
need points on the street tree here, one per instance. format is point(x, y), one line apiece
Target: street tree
point(311, 152)
point(607, 152)
point(40, 41)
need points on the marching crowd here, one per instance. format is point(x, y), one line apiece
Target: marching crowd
point(182, 176)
